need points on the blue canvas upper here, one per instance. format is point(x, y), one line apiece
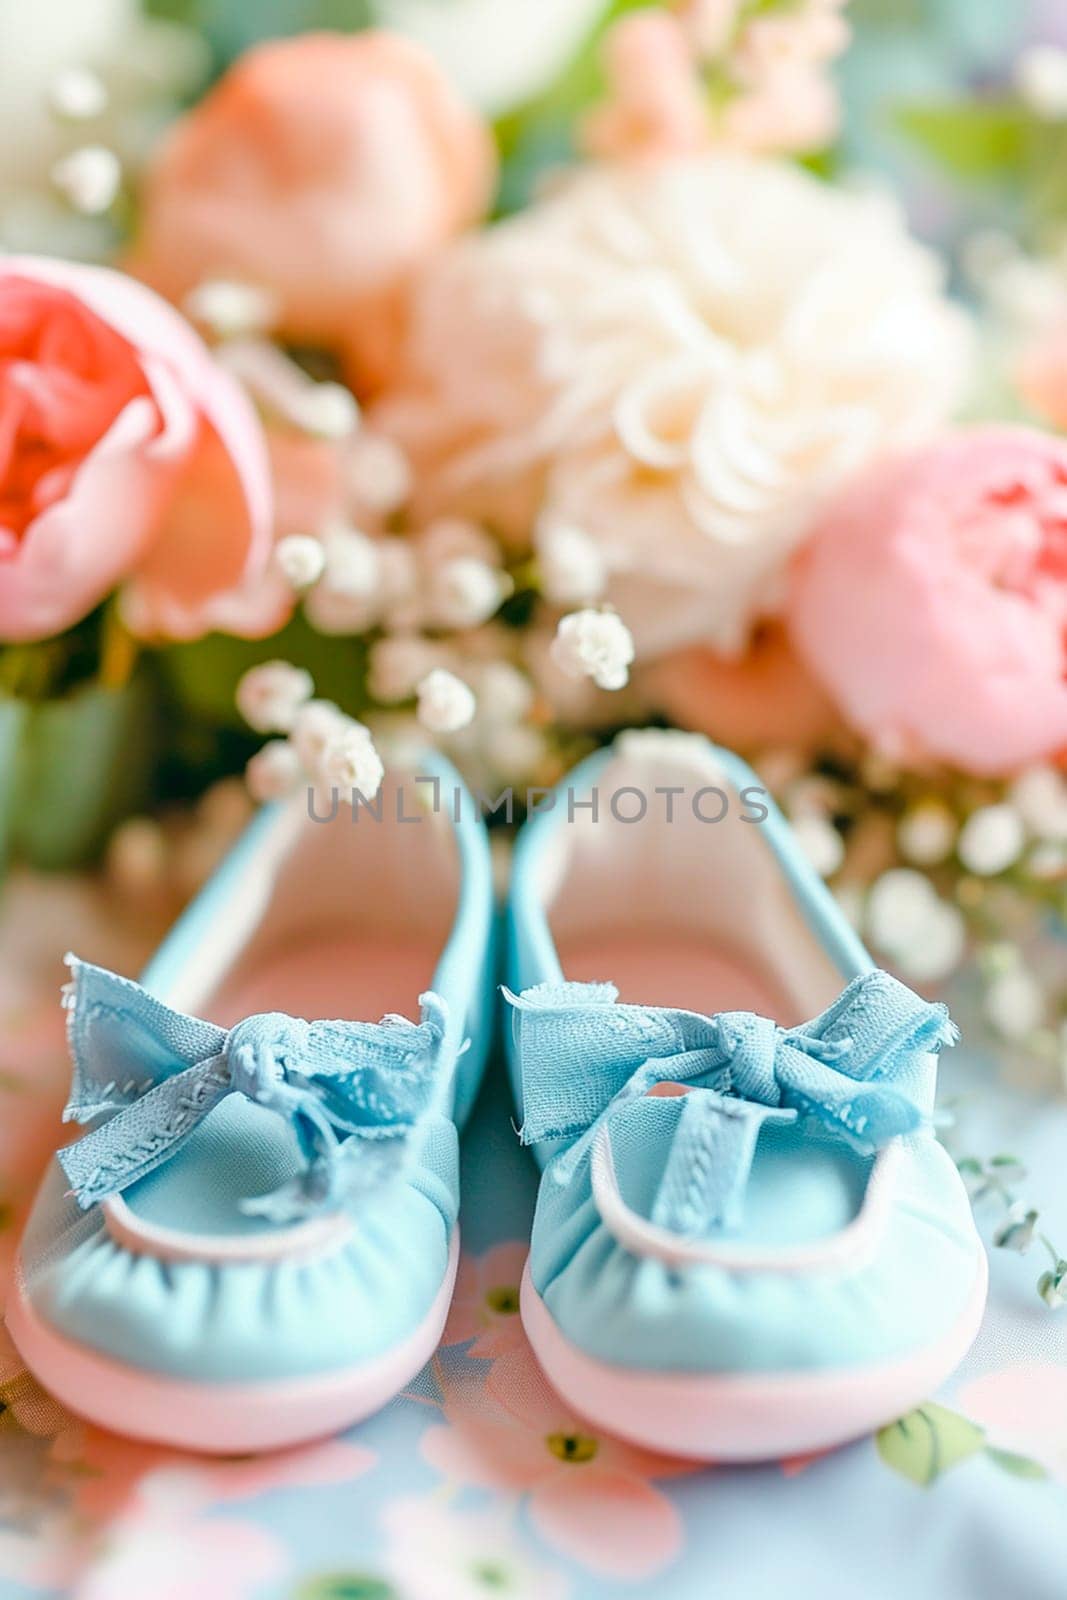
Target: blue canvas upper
point(765, 1160)
point(220, 1133)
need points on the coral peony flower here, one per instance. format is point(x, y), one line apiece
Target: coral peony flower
point(766, 697)
point(932, 601)
point(111, 410)
point(683, 361)
point(324, 169)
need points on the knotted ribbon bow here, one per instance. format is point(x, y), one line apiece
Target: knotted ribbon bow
point(860, 1069)
point(354, 1093)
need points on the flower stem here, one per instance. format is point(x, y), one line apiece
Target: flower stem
point(119, 650)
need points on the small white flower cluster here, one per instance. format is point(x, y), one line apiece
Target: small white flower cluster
point(282, 387)
point(447, 579)
point(323, 747)
point(906, 919)
point(594, 644)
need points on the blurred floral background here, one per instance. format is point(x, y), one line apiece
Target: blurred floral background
point(508, 374)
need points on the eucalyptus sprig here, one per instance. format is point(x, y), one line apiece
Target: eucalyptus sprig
point(1018, 1229)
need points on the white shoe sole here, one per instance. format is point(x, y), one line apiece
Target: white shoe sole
point(728, 1417)
point(220, 1418)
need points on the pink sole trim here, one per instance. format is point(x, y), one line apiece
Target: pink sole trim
point(219, 1418)
point(721, 1417)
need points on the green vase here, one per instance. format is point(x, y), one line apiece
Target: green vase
point(71, 768)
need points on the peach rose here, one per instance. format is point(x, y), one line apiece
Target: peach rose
point(110, 409)
point(323, 169)
point(932, 601)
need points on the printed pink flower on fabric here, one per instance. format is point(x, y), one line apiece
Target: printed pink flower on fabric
point(590, 1496)
point(485, 1306)
point(931, 602)
point(171, 1557)
point(112, 1474)
point(436, 1553)
point(111, 408)
point(1024, 1409)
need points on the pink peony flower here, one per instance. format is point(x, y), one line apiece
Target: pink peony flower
point(111, 409)
point(932, 601)
point(589, 1495)
point(322, 169)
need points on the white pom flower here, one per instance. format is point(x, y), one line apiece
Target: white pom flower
point(685, 360)
point(270, 696)
point(572, 566)
point(446, 703)
point(90, 178)
point(465, 592)
point(351, 764)
point(399, 663)
point(594, 644)
point(300, 559)
point(316, 724)
point(273, 772)
point(991, 840)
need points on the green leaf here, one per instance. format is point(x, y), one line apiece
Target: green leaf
point(13, 714)
point(977, 140)
point(540, 135)
point(203, 675)
point(346, 1586)
point(927, 1442)
point(1018, 1466)
point(73, 767)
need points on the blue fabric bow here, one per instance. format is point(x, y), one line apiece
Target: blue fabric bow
point(354, 1093)
point(859, 1069)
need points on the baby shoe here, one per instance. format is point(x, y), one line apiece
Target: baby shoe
point(748, 1242)
point(255, 1242)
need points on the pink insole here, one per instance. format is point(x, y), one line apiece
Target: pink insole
point(669, 968)
point(344, 976)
